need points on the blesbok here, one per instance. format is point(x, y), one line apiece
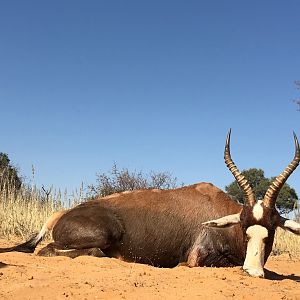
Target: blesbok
point(197, 225)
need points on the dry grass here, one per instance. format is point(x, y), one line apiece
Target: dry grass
point(286, 242)
point(24, 212)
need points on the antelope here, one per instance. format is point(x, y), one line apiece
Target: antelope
point(197, 225)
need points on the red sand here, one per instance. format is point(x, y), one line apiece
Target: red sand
point(27, 276)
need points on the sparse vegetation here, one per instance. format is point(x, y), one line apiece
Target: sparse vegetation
point(24, 210)
point(119, 180)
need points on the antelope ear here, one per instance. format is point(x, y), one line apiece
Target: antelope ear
point(226, 221)
point(290, 225)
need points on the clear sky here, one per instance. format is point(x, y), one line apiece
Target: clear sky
point(149, 85)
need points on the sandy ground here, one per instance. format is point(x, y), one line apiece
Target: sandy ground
point(27, 276)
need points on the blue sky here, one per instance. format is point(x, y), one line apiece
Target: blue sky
point(149, 85)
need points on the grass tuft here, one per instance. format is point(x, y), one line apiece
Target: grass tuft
point(24, 211)
point(286, 242)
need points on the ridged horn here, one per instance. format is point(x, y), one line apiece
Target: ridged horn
point(276, 185)
point(240, 178)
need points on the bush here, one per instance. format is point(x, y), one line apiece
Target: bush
point(116, 181)
point(9, 176)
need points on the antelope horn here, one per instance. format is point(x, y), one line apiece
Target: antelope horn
point(240, 178)
point(276, 185)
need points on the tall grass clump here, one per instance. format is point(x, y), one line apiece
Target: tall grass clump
point(25, 209)
point(285, 241)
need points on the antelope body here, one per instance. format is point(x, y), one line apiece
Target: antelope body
point(197, 225)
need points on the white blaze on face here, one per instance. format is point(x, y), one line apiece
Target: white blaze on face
point(254, 261)
point(258, 210)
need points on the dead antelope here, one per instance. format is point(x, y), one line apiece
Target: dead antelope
point(198, 225)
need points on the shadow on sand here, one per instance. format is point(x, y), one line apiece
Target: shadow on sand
point(3, 265)
point(275, 276)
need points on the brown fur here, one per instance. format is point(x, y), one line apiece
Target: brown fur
point(157, 227)
point(51, 222)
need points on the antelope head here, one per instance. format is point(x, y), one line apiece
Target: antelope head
point(258, 219)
